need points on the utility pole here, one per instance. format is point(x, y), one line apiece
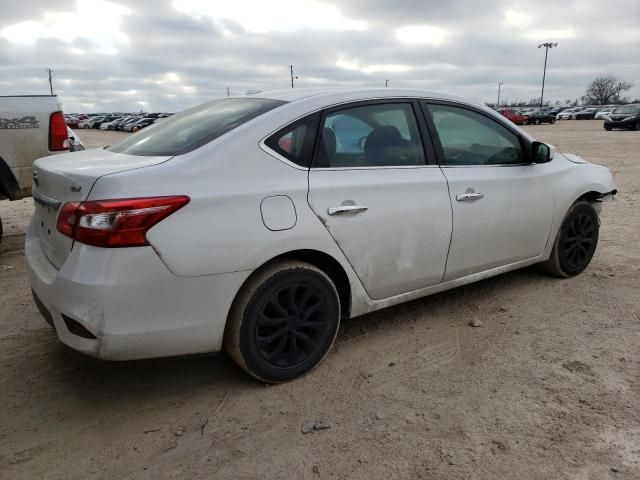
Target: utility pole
point(547, 46)
point(227, 91)
point(386, 83)
point(499, 85)
point(292, 77)
point(50, 82)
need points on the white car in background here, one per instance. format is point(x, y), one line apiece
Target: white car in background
point(602, 114)
point(256, 223)
point(568, 114)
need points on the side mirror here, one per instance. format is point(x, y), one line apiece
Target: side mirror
point(541, 152)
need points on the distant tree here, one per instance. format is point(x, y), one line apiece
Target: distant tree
point(606, 89)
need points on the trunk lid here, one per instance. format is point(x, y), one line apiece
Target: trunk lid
point(69, 178)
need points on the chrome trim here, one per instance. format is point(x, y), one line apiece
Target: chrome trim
point(45, 201)
point(346, 209)
point(469, 197)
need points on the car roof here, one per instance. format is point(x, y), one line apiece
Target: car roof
point(346, 94)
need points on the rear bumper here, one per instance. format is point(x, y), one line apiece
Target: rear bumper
point(128, 299)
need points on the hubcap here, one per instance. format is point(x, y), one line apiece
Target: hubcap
point(579, 242)
point(292, 325)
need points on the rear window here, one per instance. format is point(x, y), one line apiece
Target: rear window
point(195, 127)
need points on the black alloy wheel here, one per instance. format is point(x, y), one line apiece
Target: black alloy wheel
point(579, 242)
point(283, 321)
point(576, 241)
point(292, 324)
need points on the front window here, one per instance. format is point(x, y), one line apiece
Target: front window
point(186, 131)
point(470, 138)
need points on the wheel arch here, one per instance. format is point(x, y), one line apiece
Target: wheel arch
point(9, 186)
point(325, 262)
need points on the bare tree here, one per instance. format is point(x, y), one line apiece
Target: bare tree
point(606, 89)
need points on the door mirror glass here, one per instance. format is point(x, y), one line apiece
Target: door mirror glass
point(541, 152)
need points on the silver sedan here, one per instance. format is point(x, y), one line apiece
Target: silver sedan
point(257, 223)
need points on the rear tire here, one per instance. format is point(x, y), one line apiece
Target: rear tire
point(283, 321)
point(575, 243)
point(537, 121)
point(553, 120)
point(638, 125)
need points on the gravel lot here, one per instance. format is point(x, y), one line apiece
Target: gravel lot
point(549, 387)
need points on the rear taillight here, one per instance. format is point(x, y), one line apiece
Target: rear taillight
point(116, 223)
point(58, 135)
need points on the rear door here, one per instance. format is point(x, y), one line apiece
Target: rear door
point(502, 204)
point(381, 196)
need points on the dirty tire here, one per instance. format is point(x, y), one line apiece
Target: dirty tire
point(283, 321)
point(575, 243)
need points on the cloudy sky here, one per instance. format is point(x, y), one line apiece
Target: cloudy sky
point(167, 55)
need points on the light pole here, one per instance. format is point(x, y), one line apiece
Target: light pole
point(386, 83)
point(292, 77)
point(499, 85)
point(50, 81)
point(547, 46)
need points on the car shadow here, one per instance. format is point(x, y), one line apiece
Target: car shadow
point(94, 380)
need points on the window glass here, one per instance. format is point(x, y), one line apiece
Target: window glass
point(470, 138)
point(195, 127)
point(295, 141)
point(369, 136)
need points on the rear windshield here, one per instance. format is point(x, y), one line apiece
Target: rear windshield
point(195, 127)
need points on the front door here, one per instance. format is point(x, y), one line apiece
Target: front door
point(385, 205)
point(502, 204)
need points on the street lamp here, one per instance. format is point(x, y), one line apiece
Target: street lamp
point(547, 46)
point(499, 85)
point(386, 83)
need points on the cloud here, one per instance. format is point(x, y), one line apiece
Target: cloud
point(179, 57)
point(98, 20)
point(423, 34)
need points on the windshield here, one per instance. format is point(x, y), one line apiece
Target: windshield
point(188, 130)
point(628, 109)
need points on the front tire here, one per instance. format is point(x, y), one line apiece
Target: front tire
point(537, 121)
point(575, 243)
point(553, 120)
point(283, 322)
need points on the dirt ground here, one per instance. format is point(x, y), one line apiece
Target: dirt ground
point(548, 388)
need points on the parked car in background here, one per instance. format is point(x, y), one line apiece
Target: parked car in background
point(139, 124)
point(85, 123)
point(136, 251)
point(30, 127)
point(568, 114)
point(586, 114)
point(75, 144)
point(72, 122)
point(625, 117)
point(122, 126)
point(602, 114)
point(540, 116)
point(514, 115)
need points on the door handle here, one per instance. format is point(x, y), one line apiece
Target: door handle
point(468, 197)
point(346, 209)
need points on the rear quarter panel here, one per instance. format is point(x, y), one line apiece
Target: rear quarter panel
point(221, 230)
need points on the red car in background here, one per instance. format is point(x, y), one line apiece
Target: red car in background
point(513, 115)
